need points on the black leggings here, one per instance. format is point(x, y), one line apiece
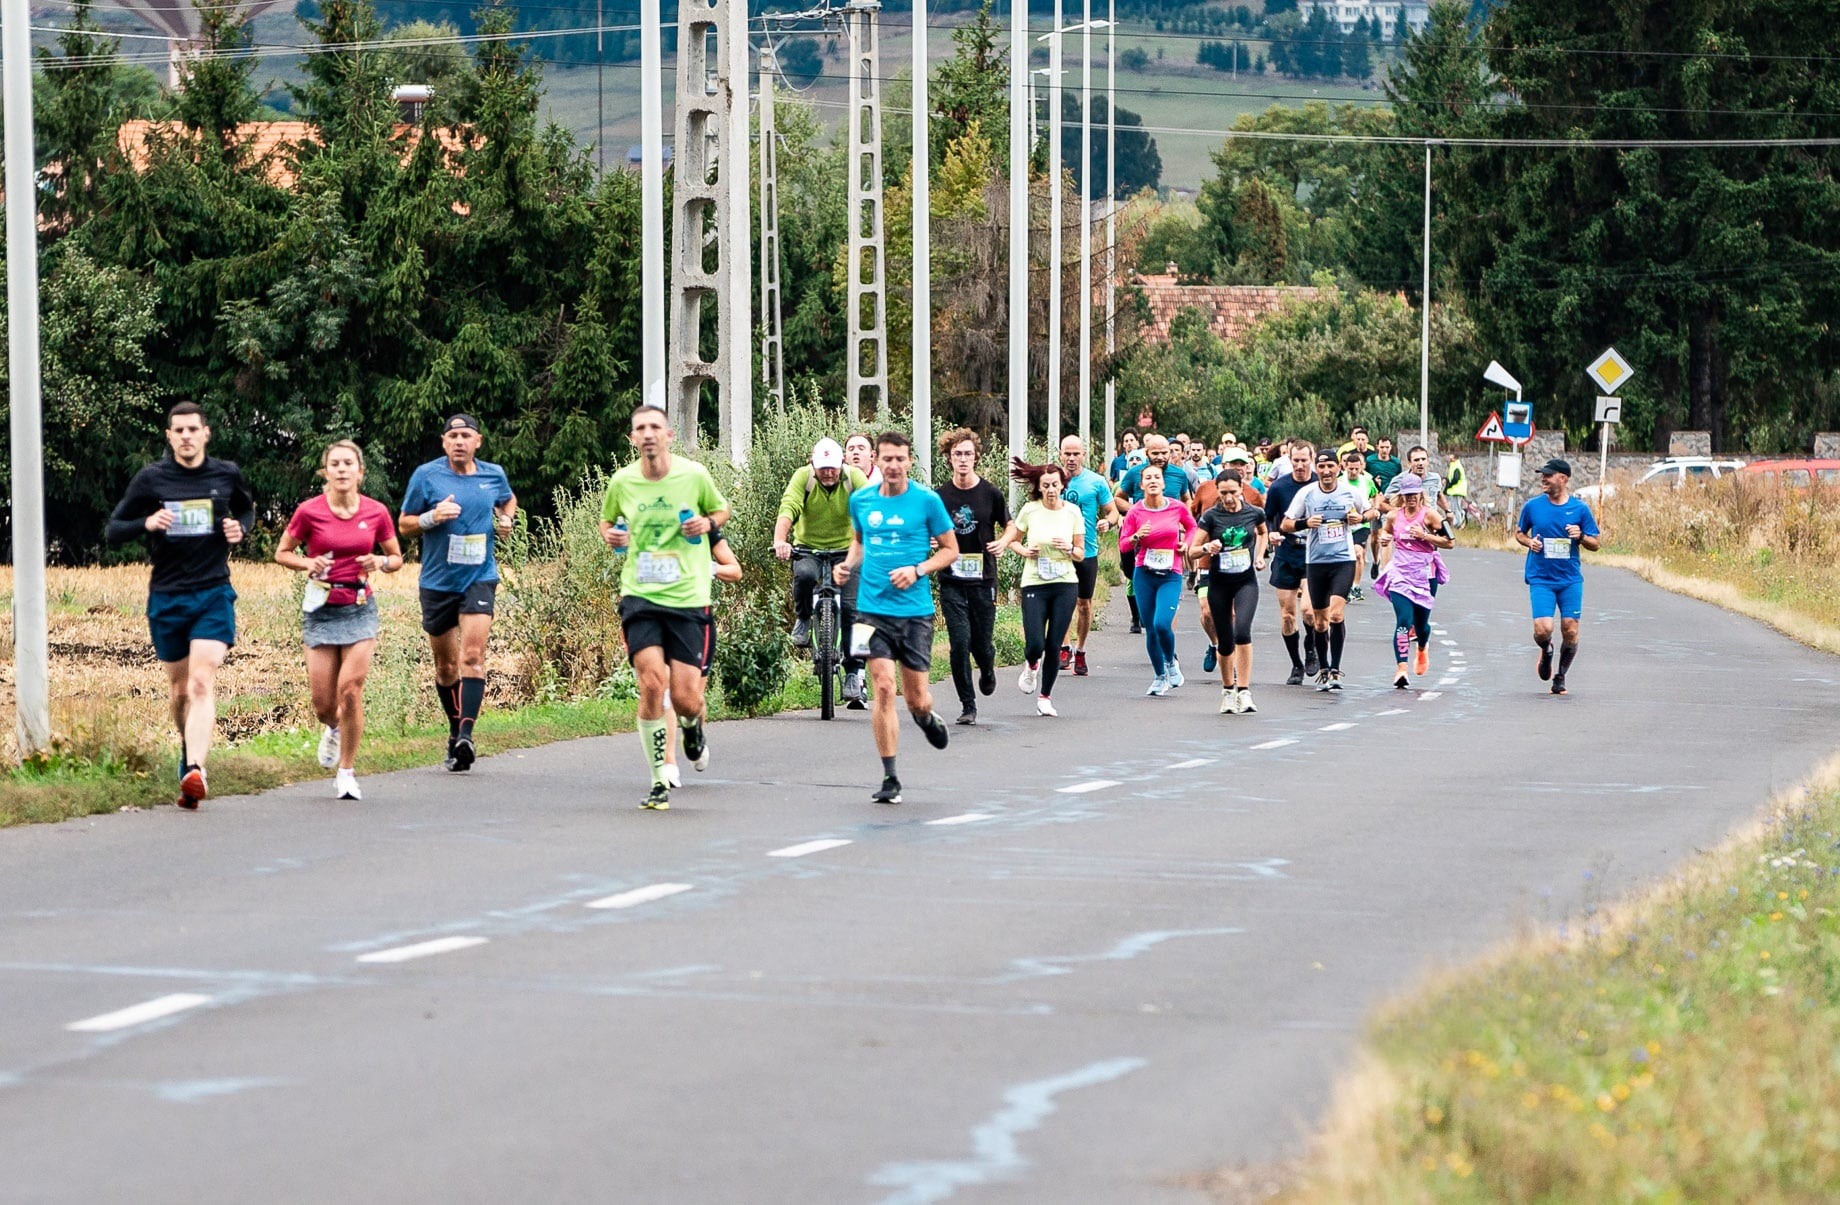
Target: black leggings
point(1232, 602)
point(1046, 612)
point(1409, 620)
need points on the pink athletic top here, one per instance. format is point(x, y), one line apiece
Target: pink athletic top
point(320, 531)
point(1158, 530)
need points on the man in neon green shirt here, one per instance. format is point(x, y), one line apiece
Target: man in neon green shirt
point(658, 511)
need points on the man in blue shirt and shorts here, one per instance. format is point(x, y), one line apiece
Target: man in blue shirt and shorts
point(900, 535)
point(1553, 527)
point(1092, 495)
point(459, 505)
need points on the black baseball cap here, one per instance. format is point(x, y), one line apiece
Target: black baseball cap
point(463, 421)
point(1328, 455)
point(1555, 465)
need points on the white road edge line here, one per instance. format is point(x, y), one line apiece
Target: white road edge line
point(641, 895)
point(966, 818)
point(1192, 763)
point(422, 949)
point(1432, 694)
point(1081, 788)
point(1278, 744)
point(1342, 727)
point(139, 1014)
point(808, 847)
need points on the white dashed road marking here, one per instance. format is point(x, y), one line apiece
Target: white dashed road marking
point(1432, 694)
point(139, 1014)
point(1343, 727)
point(422, 949)
point(1275, 744)
point(1393, 711)
point(1448, 643)
point(966, 818)
point(1448, 681)
point(1081, 788)
point(1193, 763)
point(641, 895)
point(808, 847)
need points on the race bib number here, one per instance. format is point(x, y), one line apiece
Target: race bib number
point(1334, 532)
point(467, 550)
point(859, 639)
point(1160, 558)
point(969, 566)
point(1234, 560)
point(315, 597)
point(657, 568)
point(1051, 570)
point(191, 518)
point(1556, 548)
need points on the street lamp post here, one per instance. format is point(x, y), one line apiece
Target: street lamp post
point(1018, 232)
point(922, 334)
point(1111, 206)
point(1087, 27)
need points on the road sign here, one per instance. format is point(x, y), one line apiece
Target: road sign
point(1491, 432)
point(1518, 426)
point(1610, 371)
point(1609, 410)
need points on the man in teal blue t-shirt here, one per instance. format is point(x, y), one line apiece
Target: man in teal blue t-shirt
point(1093, 495)
point(900, 536)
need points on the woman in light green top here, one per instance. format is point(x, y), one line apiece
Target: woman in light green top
point(1050, 536)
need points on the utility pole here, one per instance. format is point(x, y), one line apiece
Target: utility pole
point(1018, 233)
point(31, 639)
point(1054, 229)
point(1111, 205)
point(1424, 329)
point(1086, 231)
point(652, 305)
point(868, 337)
point(600, 82)
point(922, 338)
point(772, 352)
point(736, 416)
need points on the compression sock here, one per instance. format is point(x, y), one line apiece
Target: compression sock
point(1338, 633)
point(472, 694)
point(888, 767)
point(1567, 650)
point(1291, 647)
point(449, 694)
point(655, 736)
point(1321, 636)
point(1131, 600)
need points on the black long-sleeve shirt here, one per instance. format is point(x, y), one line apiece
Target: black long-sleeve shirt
point(192, 554)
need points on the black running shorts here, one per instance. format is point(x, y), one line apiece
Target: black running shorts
point(686, 634)
point(1086, 576)
point(442, 609)
point(904, 639)
point(1329, 579)
point(1287, 569)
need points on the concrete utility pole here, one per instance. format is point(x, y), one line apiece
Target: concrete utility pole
point(1424, 318)
point(922, 339)
point(1111, 206)
point(868, 336)
point(1018, 232)
point(651, 205)
point(1054, 228)
point(31, 641)
point(1086, 230)
point(736, 415)
point(772, 351)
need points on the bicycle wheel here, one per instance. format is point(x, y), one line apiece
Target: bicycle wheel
point(824, 653)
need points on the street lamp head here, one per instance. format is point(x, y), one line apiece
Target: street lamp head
point(1495, 374)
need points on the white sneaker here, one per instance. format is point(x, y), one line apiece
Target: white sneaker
point(1175, 672)
point(345, 785)
point(1044, 706)
point(1029, 680)
point(1159, 686)
point(328, 748)
point(1245, 703)
point(1229, 701)
point(672, 778)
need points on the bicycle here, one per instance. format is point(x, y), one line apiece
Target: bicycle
point(826, 622)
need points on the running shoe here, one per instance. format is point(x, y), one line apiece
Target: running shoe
point(1545, 665)
point(937, 735)
point(464, 755)
point(1045, 706)
point(1175, 672)
point(801, 634)
point(696, 745)
point(1424, 661)
point(1079, 663)
point(192, 788)
point(1159, 686)
point(1210, 659)
point(1373, 570)
point(1400, 681)
point(1245, 702)
point(890, 792)
point(658, 799)
point(1310, 668)
point(987, 680)
point(328, 748)
point(1322, 679)
point(1136, 628)
point(1355, 594)
point(853, 691)
point(345, 786)
point(968, 716)
point(1229, 701)
point(1029, 679)
point(448, 762)
point(1335, 679)
point(1296, 678)
point(1066, 657)
point(1558, 684)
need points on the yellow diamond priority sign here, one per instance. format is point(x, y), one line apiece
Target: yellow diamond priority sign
point(1609, 370)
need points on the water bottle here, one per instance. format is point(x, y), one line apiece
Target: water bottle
point(619, 525)
point(684, 516)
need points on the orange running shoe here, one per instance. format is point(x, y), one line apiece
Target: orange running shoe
point(1424, 661)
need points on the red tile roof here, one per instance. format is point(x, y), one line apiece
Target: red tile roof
point(1232, 309)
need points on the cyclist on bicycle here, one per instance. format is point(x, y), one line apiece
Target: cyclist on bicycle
point(814, 517)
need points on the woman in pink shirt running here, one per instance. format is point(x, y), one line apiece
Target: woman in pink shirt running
point(1155, 530)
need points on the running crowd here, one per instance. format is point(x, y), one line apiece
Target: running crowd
point(1188, 521)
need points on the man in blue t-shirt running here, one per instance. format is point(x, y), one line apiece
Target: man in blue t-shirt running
point(1553, 527)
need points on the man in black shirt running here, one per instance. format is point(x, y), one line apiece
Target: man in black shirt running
point(192, 508)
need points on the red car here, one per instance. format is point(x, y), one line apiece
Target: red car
point(1792, 474)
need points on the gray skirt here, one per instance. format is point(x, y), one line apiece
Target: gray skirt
point(332, 625)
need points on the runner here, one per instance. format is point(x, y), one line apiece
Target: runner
point(1415, 532)
point(859, 454)
point(1177, 485)
point(723, 567)
point(192, 508)
point(1051, 537)
point(1288, 563)
point(1381, 465)
point(1093, 495)
point(814, 516)
point(1129, 454)
point(341, 531)
point(968, 589)
point(1354, 476)
point(1326, 511)
point(663, 507)
point(1418, 463)
point(893, 526)
point(1153, 534)
point(1553, 527)
point(1229, 543)
point(1357, 442)
point(459, 505)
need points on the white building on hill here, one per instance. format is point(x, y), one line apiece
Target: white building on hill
point(1387, 14)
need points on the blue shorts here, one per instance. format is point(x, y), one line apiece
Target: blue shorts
point(178, 619)
point(1568, 600)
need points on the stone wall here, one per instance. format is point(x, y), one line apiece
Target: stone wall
point(1690, 443)
point(1827, 445)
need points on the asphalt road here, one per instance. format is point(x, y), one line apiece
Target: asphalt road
point(1087, 957)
